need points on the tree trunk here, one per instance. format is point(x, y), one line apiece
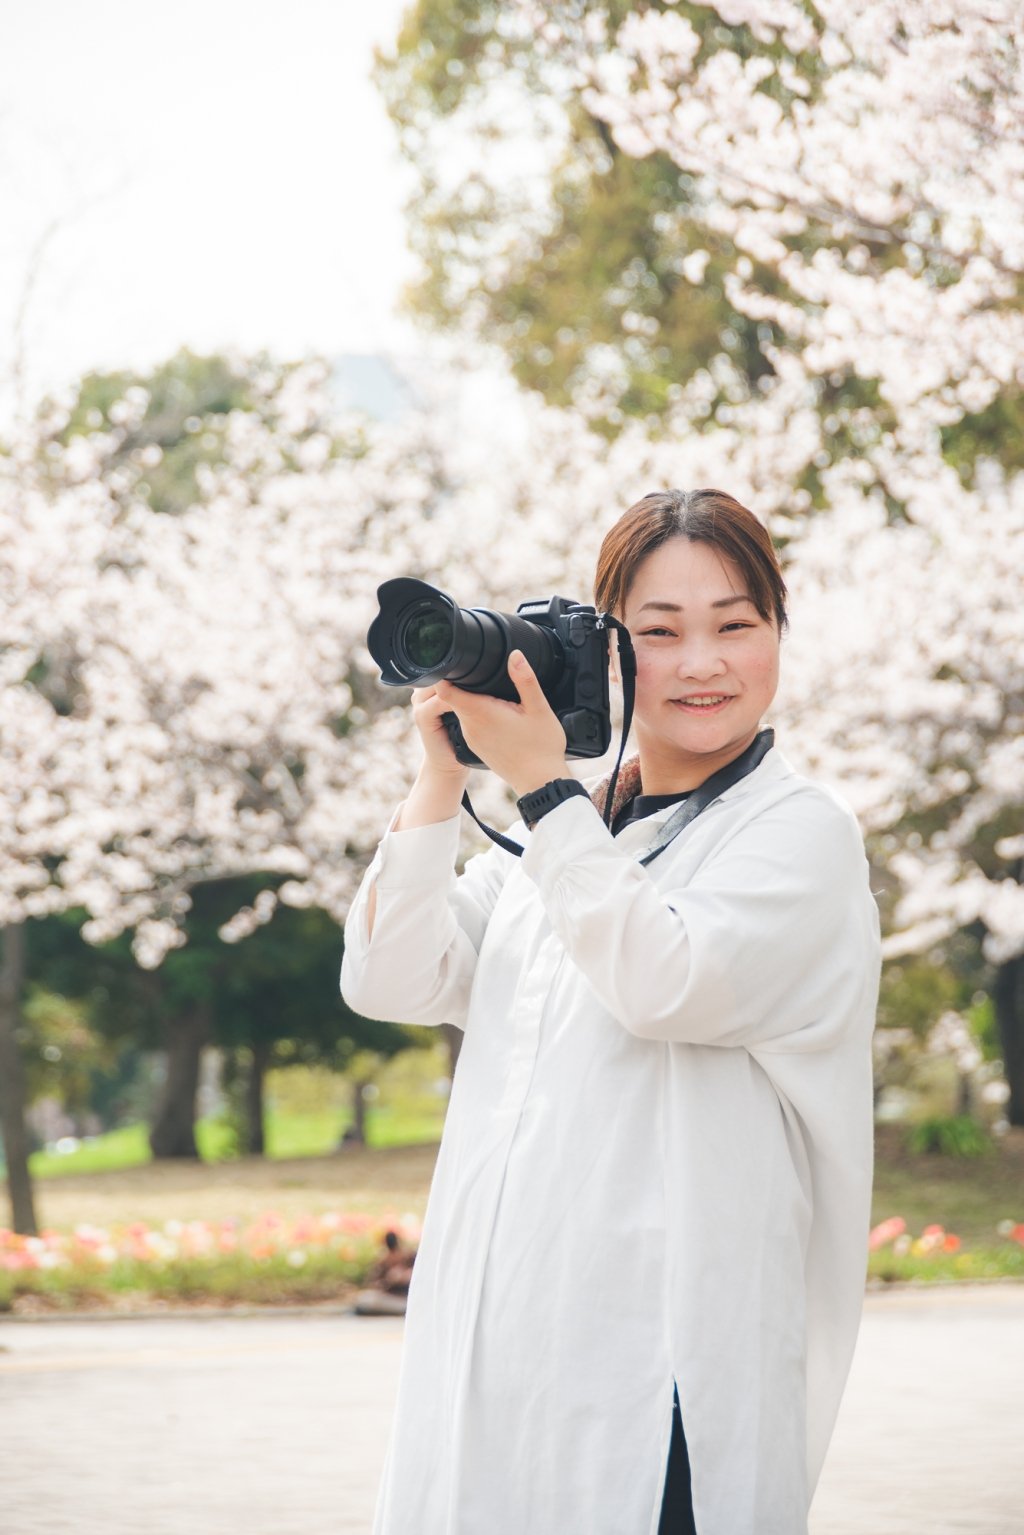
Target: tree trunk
point(357, 1132)
point(259, 1057)
point(453, 1039)
point(1008, 994)
point(964, 1098)
point(174, 1129)
point(12, 1084)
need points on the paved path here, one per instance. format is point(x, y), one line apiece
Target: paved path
point(277, 1425)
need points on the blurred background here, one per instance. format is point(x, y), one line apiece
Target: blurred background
point(296, 301)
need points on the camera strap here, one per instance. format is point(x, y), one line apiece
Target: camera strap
point(710, 790)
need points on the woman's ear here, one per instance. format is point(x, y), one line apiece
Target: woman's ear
point(613, 657)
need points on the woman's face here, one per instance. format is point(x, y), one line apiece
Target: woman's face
point(707, 664)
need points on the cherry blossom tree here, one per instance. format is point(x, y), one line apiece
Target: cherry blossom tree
point(903, 683)
point(841, 185)
point(175, 690)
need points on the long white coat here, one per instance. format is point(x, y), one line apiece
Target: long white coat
point(656, 1166)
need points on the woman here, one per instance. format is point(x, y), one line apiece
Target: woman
point(640, 1278)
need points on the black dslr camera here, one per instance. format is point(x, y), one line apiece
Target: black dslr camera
point(421, 636)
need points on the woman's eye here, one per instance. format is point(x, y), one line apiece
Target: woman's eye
point(657, 632)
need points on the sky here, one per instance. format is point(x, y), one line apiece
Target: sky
point(216, 173)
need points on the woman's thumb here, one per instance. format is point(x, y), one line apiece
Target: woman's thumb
point(518, 664)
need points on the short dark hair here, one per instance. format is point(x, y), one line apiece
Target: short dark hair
point(705, 517)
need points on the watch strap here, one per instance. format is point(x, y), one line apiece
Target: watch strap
point(539, 801)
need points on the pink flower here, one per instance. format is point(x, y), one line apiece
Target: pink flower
point(886, 1231)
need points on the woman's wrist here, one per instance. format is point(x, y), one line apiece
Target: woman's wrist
point(539, 774)
point(435, 796)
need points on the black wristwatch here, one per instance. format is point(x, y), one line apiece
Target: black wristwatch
point(539, 801)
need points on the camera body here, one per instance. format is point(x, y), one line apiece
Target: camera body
point(579, 693)
point(421, 636)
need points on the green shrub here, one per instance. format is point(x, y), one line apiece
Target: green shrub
point(950, 1136)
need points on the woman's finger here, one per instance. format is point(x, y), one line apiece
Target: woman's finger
point(525, 678)
point(429, 704)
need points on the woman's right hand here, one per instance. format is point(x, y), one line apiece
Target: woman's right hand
point(440, 784)
point(441, 781)
point(438, 752)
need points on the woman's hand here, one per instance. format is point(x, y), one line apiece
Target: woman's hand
point(441, 781)
point(523, 743)
point(438, 753)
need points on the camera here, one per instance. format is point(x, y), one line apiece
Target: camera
point(422, 636)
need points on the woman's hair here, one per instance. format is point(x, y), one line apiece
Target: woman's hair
point(706, 517)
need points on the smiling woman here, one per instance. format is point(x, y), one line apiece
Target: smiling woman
point(695, 579)
point(640, 1279)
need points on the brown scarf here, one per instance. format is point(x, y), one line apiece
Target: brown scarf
point(626, 788)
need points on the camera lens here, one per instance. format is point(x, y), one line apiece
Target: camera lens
point(426, 637)
point(421, 635)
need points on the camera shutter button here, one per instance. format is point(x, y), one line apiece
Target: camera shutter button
point(577, 630)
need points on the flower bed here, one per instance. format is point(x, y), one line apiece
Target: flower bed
point(268, 1260)
point(893, 1253)
point(272, 1260)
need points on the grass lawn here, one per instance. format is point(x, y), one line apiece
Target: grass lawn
point(968, 1197)
point(390, 1179)
point(313, 1133)
point(113, 1178)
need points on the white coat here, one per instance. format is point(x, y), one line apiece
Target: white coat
point(656, 1165)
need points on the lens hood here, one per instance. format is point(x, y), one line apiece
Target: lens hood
point(400, 600)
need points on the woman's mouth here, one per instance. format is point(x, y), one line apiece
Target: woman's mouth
point(702, 703)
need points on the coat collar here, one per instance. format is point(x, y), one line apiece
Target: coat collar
point(773, 765)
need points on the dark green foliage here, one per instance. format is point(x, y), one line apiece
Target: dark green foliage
point(175, 427)
point(916, 992)
point(277, 988)
point(608, 270)
point(190, 398)
point(63, 1055)
point(996, 432)
point(954, 1136)
point(618, 243)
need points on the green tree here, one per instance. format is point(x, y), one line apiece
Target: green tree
point(272, 998)
point(279, 1004)
point(599, 267)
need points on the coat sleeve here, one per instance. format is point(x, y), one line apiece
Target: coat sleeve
point(418, 965)
point(758, 948)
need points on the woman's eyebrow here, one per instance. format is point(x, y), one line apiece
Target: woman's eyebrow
point(675, 607)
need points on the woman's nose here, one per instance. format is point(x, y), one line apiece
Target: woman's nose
point(701, 659)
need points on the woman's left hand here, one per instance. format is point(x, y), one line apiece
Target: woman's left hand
point(523, 743)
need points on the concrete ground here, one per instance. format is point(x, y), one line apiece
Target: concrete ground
point(276, 1425)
